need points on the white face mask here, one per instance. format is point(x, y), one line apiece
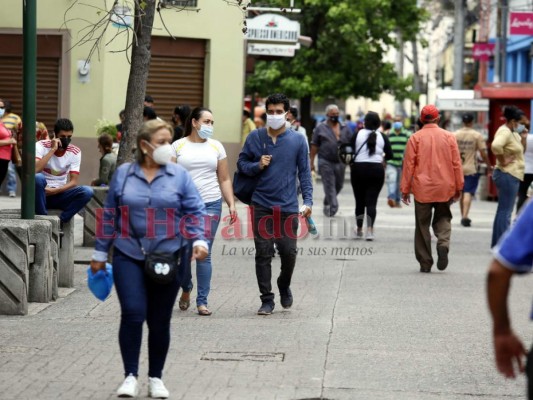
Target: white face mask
point(276, 121)
point(163, 154)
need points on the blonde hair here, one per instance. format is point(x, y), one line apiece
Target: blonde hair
point(148, 129)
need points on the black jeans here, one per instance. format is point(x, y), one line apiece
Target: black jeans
point(367, 180)
point(271, 226)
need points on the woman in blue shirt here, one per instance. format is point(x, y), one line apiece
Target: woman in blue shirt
point(152, 202)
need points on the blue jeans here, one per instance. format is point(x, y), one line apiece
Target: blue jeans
point(507, 190)
point(393, 175)
point(11, 178)
point(142, 300)
point(70, 201)
point(204, 268)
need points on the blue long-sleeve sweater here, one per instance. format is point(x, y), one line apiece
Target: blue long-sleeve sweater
point(277, 182)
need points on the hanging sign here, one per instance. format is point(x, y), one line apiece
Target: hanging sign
point(521, 23)
point(272, 28)
point(483, 51)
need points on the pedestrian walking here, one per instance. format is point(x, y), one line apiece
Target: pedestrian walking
point(205, 159)
point(470, 143)
point(432, 172)
point(398, 138)
point(367, 172)
point(509, 170)
point(523, 129)
point(295, 125)
point(276, 158)
point(13, 123)
point(513, 255)
point(7, 141)
point(327, 137)
point(151, 190)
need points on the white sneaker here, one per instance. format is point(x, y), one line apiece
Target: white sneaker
point(369, 236)
point(129, 388)
point(157, 389)
point(358, 233)
point(12, 194)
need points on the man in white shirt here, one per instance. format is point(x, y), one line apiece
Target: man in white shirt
point(57, 168)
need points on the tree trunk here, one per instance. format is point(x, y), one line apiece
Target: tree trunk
point(140, 64)
point(417, 84)
point(306, 119)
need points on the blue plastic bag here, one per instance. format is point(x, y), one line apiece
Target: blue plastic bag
point(101, 283)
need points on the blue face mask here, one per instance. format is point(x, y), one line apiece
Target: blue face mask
point(520, 128)
point(205, 132)
point(2, 111)
point(397, 125)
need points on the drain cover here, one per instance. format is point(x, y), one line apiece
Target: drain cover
point(246, 356)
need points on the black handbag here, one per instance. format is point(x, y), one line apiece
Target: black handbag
point(244, 185)
point(161, 268)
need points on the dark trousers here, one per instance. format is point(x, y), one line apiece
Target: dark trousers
point(142, 300)
point(522, 190)
point(367, 180)
point(270, 226)
point(4, 164)
point(71, 201)
point(439, 217)
point(332, 175)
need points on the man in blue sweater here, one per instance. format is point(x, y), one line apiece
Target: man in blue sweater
point(277, 156)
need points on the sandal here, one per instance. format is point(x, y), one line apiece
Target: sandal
point(184, 303)
point(203, 310)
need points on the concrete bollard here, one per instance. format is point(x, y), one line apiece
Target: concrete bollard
point(53, 252)
point(66, 253)
point(89, 217)
point(14, 274)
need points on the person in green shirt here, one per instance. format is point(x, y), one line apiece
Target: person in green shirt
point(108, 162)
point(398, 138)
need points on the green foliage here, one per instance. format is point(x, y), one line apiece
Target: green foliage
point(104, 126)
point(350, 41)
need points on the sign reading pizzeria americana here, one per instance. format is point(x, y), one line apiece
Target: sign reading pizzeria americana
point(272, 28)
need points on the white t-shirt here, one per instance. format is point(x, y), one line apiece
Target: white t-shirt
point(201, 160)
point(363, 155)
point(57, 169)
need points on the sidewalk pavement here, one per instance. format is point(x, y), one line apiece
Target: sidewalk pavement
point(365, 325)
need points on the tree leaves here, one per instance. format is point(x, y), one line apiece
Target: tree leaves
point(350, 42)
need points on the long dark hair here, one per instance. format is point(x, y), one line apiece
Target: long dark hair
point(195, 114)
point(372, 123)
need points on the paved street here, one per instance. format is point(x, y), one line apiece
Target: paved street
point(365, 325)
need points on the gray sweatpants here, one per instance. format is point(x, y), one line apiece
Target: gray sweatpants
point(332, 175)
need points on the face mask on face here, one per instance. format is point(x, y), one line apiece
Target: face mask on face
point(276, 121)
point(2, 112)
point(163, 154)
point(334, 119)
point(520, 128)
point(205, 132)
point(65, 141)
point(397, 125)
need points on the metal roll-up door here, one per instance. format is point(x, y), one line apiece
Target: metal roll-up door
point(176, 75)
point(48, 75)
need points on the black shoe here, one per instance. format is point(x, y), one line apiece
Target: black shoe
point(425, 269)
point(286, 297)
point(266, 309)
point(466, 222)
point(442, 262)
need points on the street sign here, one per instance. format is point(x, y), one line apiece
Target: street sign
point(483, 51)
point(521, 23)
point(462, 104)
point(272, 28)
point(274, 50)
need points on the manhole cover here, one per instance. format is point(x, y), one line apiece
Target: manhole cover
point(247, 356)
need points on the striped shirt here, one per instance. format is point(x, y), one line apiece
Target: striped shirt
point(398, 143)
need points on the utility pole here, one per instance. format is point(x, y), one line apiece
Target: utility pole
point(29, 91)
point(398, 106)
point(503, 44)
point(497, 47)
point(458, 45)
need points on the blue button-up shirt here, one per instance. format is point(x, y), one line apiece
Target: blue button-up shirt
point(162, 214)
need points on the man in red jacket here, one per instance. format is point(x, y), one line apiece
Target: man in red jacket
point(432, 171)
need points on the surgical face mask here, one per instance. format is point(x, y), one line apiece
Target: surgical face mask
point(334, 119)
point(65, 141)
point(163, 154)
point(205, 132)
point(276, 121)
point(2, 112)
point(397, 125)
point(520, 128)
